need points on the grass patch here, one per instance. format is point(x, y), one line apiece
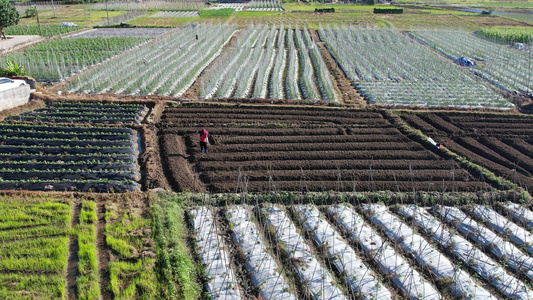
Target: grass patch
point(518, 34)
point(87, 281)
point(132, 259)
point(48, 30)
point(177, 272)
point(217, 13)
point(34, 239)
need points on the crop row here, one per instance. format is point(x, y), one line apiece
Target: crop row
point(503, 66)
point(276, 63)
point(34, 247)
point(93, 113)
point(389, 67)
point(170, 71)
point(368, 251)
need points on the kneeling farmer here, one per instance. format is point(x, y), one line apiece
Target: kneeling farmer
point(203, 140)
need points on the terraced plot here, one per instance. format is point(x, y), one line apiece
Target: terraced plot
point(262, 148)
point(500, 142)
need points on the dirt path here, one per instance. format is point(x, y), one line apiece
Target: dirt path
point(72, 263)
point(103, 250)
point(177, 164)
point(345, 92)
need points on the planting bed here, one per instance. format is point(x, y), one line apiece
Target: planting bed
point(267, 148)
point(500, 142)
point(44, 156)
point(364, 251)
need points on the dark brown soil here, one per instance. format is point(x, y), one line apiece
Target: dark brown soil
point(265, 148)
point(176, 164)
point(496, 141)
point(103, 250)
point(72, 263)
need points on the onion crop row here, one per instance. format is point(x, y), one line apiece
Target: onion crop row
point(358, 276)
point(389, 67)
point(266, 275)
point(158, 67)
point(286, 67)
point(470, 255)
point(221, 280)
point(316, 279)
point(508, 68)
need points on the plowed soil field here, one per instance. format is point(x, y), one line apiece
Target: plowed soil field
point(500, 142)
point(269, 148)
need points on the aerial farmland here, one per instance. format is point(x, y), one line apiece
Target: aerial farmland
point(266, 149)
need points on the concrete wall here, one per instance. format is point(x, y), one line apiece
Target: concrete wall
point(14, 97)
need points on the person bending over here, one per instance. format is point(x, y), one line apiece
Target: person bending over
point(203, 140)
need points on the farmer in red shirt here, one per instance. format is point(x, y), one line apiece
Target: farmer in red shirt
point(203, 140)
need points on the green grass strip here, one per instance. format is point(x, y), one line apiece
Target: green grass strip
point(174, 261)
point(87, 281)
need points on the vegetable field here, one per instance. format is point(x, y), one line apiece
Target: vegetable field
point(500, 64)
point(262, 149)
point(391, 68)
point(158, 67)
point(500, 142)
point(43, 156)
point(366, 251)
point(57, 59)
point(267, 62)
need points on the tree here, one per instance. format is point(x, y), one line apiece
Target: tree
point(8, 16)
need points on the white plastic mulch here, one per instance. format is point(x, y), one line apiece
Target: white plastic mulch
point(359, 277)
point(518, 235)
point(520, 213)
point(221, 281)
point(468, 254)
point(317, 280)
point(265, 270)
point(389, 261)
point(483, 236)
point(425, 254)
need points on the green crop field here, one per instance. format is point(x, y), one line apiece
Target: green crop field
point(34, 246)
